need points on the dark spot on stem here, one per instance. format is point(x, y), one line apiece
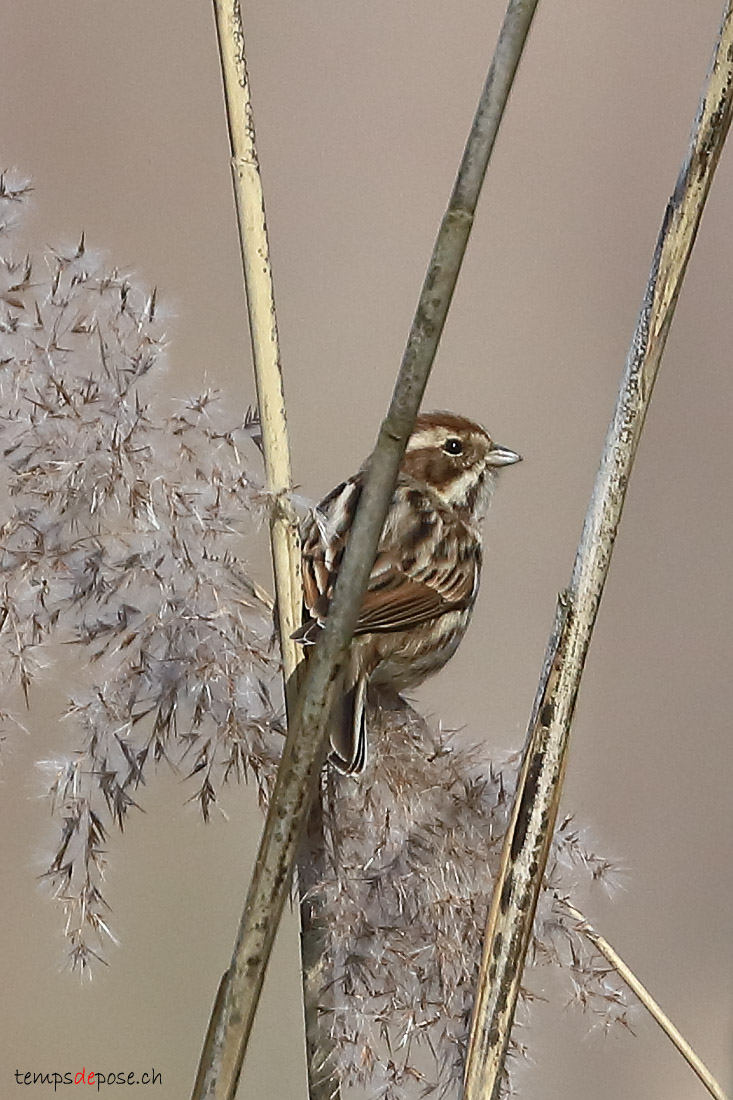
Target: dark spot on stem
point(506, 892)
point(529, 795)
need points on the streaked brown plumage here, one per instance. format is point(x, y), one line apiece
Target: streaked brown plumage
point(424, 581)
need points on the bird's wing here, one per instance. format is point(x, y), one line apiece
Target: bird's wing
point(395, 600)
point(412, 580)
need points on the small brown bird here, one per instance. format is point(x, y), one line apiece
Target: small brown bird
point(424, 582)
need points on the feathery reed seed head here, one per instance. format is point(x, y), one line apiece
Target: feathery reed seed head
point(120, 534)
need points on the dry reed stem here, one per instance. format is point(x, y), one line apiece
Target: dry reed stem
point(284, 536)
point(255, 251)
point(528, 838)
point(262, 317)
point(305, 746)
point(640, 990)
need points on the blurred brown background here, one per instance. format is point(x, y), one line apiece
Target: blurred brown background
point(115, 110)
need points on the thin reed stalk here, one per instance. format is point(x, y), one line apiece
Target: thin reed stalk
point(655, 1010)
point(284, 537)
point(297, 778)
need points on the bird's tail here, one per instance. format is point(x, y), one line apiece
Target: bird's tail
point(347, 729)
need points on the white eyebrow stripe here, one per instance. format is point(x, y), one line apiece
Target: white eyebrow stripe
point(436, 434)
point(423, 439)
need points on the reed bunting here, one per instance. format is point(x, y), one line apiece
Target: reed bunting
point(425, 578)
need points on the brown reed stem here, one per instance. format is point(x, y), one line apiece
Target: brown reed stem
point(304, 751)
point(528, 837)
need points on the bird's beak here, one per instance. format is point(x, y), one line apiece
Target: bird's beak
point(502, 456)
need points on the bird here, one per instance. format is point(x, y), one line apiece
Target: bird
point(425, 578)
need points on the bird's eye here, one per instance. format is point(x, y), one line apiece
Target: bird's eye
point(453, 447)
